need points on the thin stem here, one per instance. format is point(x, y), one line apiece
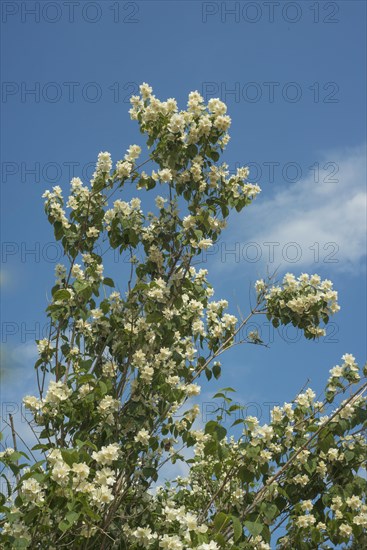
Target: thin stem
point(14, 443)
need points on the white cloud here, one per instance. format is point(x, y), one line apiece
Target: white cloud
point(328, 217)
point(25, 353)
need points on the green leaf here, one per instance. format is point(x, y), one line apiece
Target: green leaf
point(58, 229)
point(103, 387)
point(245, 474)
point(237, 528)
point(192, 150)
point(18, 501)
point(151, 183)
point(316, 536)
point(62, 294)
point(69, 456)
point(221, 520)
point(325, 441)
point(79, 286)
point(31, 515)
point(348, 455)
point(235, 408)
point(275, 323)
point(98, 185)
point(8, 486)
point(63, 526)
point(105, 306)
point(216, 371)
point(154, 317)
point(221, 540)
point(214, 155)
point(225, 211)
point(213, 427)
point(150, 472)
point(15, 456)
point(108, 281)
point(72, 517)
point(270, 511)
point(208, 373)
point(254, 527)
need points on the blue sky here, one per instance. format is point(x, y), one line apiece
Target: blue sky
point(293, 76)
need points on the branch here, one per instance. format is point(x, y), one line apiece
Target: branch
point(261, 494)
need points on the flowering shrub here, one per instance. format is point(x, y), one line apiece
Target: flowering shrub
point(110, 388)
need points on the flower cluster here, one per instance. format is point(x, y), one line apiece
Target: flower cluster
point(305, 302)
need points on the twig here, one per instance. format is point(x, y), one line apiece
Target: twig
point(14, 442)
